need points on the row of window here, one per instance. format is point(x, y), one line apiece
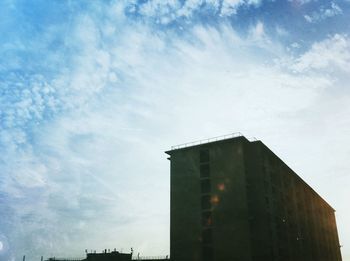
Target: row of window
point(298, 218)
point(206, 205)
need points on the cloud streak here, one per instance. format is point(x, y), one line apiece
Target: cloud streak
point(165, 12)
point(83, 145)
point(332, 53)
point(324, 13)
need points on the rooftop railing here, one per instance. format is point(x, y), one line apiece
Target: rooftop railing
point(66, 259)
point(204, 141)
point(150, 258)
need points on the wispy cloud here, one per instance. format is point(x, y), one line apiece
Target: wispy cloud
point(332, 54)
point(324, 13)
point(164, 12)
point(230, 7)
point(82, 145)
point(301, 2)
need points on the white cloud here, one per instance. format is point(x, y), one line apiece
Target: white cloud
point(295, 45)
point(301, 2)
point(308, 18)
point(98, 162)
point(281, 31)
point(193, 5)
point(331, 54)
point(103, 150)
point(165, 12)
point(324, 13)
point(155, 8)
point(259, 38)
point(258, 31)
point(230, 7)
point(333, 10)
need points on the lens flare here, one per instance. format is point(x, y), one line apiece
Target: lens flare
point(221, 186)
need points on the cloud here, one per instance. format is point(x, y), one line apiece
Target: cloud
point(301, 2)
point(324, 13)
point(165, 12)
point(331, 54)
point(95, 154)
point(281, 31)
point(83, 163)
point(230, 7)
point(258, 31)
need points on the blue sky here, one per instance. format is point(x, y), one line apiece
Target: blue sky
point(93, 92)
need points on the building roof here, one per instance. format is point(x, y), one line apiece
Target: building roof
point(201, 142)
point(232, 136)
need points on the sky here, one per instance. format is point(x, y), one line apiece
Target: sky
point(93, 92)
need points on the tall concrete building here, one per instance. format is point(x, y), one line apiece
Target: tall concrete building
point(234, 200)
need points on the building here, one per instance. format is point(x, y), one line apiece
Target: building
point(104, 256)
point(234, 200)
point(110, 256)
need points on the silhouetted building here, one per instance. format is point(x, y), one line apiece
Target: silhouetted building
point(104, 256)
point(111, 256)
point(235, 200)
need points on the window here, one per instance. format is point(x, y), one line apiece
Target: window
point(206, 202)
point(204, 171)
point(205, 186)
point(204, 156)
point(207, 219)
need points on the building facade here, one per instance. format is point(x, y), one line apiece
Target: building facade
point(235, 200)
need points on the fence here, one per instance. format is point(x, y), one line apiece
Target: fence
point(150, 258)
point(66, 259)
point(198, 142)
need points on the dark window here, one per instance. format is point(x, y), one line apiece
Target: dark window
point(204, 171)
point(206, 202)
point(204, 156)
point(205, 185)
point(207, 236)
point(207, 219)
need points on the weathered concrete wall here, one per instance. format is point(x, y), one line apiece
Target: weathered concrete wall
point(227, 235)
point(236, 200)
